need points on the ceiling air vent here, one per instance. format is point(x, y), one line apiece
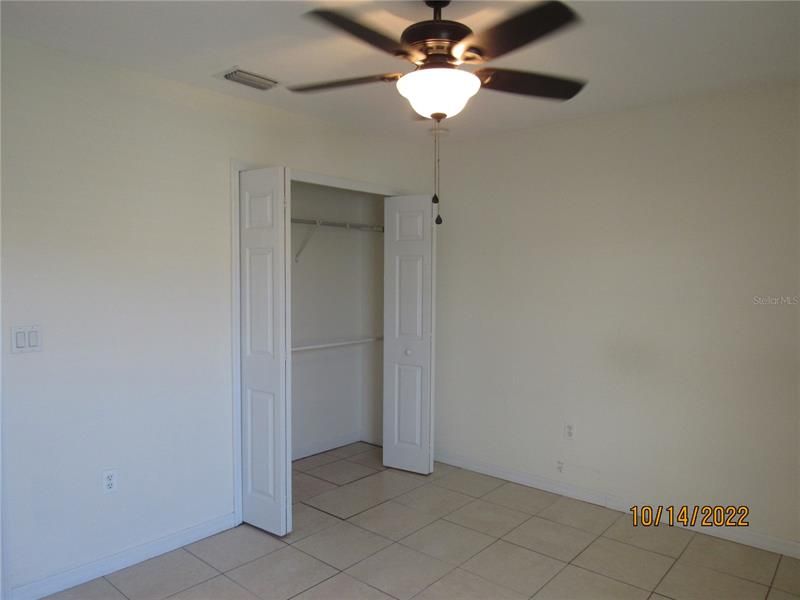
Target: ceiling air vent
point(252, 80)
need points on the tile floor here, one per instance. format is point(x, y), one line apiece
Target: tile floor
point(362, 532)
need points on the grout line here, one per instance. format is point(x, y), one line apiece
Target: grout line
point(627, 583)
point(324, 480)
point(775, 574)
point(190, 553)
point(278, 549)
point(544, 585)
point(672, 566)
point(194, 585)
point(461, 566)
point(310, 588)
point(725, 572)
point(239, 585)
point(419, 593)
point(115, 587)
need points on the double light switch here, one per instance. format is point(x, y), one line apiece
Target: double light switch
point(26, 339)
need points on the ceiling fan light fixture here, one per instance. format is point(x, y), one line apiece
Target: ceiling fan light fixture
point(438, 90)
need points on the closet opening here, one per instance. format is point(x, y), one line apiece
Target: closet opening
point(334, 286)
point(336, 322)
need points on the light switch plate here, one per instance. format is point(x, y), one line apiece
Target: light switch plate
point(26, 338)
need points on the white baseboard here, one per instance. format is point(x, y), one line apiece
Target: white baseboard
point(742, 535)
point(126, 558)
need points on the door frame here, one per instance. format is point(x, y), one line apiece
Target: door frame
point(292, 175)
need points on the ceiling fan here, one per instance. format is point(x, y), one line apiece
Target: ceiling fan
point(439, 88)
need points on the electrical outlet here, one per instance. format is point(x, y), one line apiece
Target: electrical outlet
point(569, 431)
point(109, 481)
point(560, 466)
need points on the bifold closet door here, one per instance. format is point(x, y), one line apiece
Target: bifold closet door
point(408, 333)
point(266, 423)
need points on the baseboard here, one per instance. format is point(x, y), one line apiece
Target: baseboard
point(323, 446)
point(126, 558)
point(742, 535)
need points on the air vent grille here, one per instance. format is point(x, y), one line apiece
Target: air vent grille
point(252, 80)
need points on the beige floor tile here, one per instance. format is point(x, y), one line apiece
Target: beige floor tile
point(97, 589)
point(307, 520)
point(348, 500)
point(393, 483)
point(461, 585)
point(341, 472)
point(788, 575)
point(553, 539)
point(434, 500)
point(514, 567)
point(352, 449)
point(356, 497)
point(281, 574)
point(663, 539)
point(574, 583)
point(418, 476)
point(731, 558)
point(468, 482)
point(521, 497)
point(219, 588)
point(440, 470)
point(399, 571)
point(372, 458)
point(689, 582)
point(626, 563)
point(342, 587)
point(161, 576)
point(448, 542)
point(775, 594)
point(393, 520)
point(342, 545)
point(488, 518)
point(657, 597)
point(581, 515)
point(312, 462)
point(234, 547)
point(305, 487)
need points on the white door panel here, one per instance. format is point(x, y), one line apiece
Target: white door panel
point(266, 472)
point(408, 334)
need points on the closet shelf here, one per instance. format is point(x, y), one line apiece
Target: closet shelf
point(342, 224)
point(338, 344)
point(321, 223)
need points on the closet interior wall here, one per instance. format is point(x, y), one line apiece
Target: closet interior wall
point(337, 296)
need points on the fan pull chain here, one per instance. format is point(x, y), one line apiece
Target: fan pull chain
point(435, 200)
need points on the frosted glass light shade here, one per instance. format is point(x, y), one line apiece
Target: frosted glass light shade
point(438, 90)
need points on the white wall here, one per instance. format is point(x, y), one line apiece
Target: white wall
point(337, 295)
point(117, 241)
point(601, 272)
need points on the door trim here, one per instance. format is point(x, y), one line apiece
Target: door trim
point(236, 166)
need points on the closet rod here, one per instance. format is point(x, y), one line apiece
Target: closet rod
point(342, 224)
point(336, 344)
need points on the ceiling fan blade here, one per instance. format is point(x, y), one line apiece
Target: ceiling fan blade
point(329, 85)
point(366, 34)
point(529, 84)
point(521, 29)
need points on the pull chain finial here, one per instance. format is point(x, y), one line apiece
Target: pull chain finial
point(436, 134)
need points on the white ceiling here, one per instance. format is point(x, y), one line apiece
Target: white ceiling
point(632, 53)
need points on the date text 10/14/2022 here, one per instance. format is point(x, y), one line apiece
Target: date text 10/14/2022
point(690, 516)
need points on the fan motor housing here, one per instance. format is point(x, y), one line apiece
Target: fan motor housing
point(435, 36)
